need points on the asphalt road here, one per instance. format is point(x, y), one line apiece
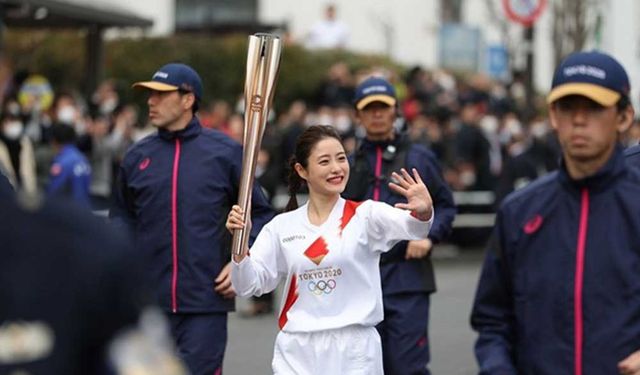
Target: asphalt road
point(250, 345)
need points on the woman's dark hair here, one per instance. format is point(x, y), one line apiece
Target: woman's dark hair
point(305, 143)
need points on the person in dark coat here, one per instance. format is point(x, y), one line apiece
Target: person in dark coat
point(406, 270)
point(70, 288)
point(557, 291)
point(174, 190)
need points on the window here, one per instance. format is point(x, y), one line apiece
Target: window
point(204, 14)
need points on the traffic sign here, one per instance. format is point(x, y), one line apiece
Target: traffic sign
point(525, 12)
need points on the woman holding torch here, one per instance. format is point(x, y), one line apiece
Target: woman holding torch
point(327, 251)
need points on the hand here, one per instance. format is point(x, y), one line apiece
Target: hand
point(234, 219)
point(418, 197)
point(234, 222)
point(223, 283)
point(630, 365)
point(418, 249)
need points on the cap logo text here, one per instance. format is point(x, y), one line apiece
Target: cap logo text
point(162, 75)
point(378, 88)
point(586, 70)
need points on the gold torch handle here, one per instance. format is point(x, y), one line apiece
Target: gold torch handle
point(263, 63)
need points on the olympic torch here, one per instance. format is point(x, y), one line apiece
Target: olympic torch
point(263, 63)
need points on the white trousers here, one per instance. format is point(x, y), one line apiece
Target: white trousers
point(353, 350)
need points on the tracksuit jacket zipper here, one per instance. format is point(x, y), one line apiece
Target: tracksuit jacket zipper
point(578, 283)
point(378, 172)
point(174, 227)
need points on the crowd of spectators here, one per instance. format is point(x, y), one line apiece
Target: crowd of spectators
point(484, 134)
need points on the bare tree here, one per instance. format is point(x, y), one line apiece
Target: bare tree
point(573, 22)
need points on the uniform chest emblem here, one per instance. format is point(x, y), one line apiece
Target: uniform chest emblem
point(533, 224)
point(144, 164)
point(317, 251)
point(56, 169)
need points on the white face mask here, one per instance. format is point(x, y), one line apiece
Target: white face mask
point(467, 178)
point(342, 123)
point(324, 119)
point(539, 129)
point(12, 130)
point(66, 115)
point(107, 106)
point(489, 124)
point(512, 129)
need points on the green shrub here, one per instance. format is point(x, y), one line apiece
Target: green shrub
point(220, 61)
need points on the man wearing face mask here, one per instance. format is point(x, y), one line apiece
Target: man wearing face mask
point(105, 100)
point(17, 158)
point(67, 112)
point(406, 270)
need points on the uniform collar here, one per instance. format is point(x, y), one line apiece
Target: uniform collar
point(65, 149)
point(612, 169)
point(193, 129)
point(370, 145)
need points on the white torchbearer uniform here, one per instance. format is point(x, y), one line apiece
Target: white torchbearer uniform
point(333, 297)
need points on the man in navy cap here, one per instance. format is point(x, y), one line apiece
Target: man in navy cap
point(406, 270)
point(174, 191)
point(559, 289)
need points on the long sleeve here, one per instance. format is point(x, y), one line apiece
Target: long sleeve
point(388, 225)
point(493, 316)
point(259, 272)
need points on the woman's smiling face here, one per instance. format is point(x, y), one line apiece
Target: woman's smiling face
point(327, 169)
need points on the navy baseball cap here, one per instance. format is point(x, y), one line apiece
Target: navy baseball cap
point(594, 75)
point(172, 77)
point(374, 89)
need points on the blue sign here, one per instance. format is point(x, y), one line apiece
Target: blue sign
point(497, 62)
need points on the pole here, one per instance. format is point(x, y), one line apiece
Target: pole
point(529, 92)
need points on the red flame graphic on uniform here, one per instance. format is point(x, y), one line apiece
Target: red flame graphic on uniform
point(317, 251)
point(347, 213)
point(292, 297)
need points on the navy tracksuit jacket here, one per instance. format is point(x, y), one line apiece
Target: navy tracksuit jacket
point(559, 292)
point(633, 155)
point(175, 190)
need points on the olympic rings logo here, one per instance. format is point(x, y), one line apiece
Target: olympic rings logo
point(321, 287)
